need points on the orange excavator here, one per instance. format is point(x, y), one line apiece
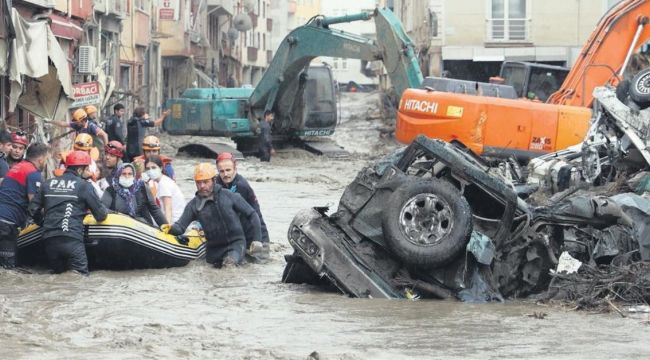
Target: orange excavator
point(494, 126)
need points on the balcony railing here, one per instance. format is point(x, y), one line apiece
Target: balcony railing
point(508, 30)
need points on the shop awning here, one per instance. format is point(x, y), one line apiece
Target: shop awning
point(48, 88)
point(65, 28)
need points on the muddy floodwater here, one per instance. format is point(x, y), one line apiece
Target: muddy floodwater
point(247, 313)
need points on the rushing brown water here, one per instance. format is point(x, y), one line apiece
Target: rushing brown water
point(247, 313)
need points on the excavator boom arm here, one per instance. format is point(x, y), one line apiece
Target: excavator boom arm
point(303, 44)
point(606, 52)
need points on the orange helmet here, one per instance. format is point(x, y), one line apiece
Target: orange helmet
point(150, 143)
point(90, 109)
point(204, 171)
point(79, 115)
point(77, 158)
point(83, 141)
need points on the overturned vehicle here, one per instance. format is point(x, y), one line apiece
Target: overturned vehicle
point(433, 220)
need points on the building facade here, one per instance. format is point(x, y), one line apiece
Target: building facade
point(183, 45)
point(222, 65)
point(470, 39)
point(255, 47)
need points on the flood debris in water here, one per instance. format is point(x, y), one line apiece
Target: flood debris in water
point(595, 287)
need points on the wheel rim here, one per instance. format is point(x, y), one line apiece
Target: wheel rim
point(643, 85)
point(426, 219)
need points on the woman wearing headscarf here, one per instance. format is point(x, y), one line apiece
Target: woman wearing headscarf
point(132, 196)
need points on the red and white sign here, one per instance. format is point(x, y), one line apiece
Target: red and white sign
point(168, 10)
point(85, 94)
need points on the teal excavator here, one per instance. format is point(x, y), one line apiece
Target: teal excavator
point(301, 96)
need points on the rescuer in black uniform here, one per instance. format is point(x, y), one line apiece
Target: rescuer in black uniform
point(61, 206)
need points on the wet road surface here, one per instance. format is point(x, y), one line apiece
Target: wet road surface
point(246, 313)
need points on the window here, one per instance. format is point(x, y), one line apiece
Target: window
point(508, 20)
point(433, 23)
point(263, 9)
point(140, 4)
point(125, 77)
point(140, 76)
point(344, 63)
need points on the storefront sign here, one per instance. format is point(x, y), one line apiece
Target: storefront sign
point(169, 9)
point(85, 94)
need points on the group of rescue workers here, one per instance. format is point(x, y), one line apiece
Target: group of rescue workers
point(132, 179)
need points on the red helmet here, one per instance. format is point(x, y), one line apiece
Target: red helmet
point(19, 137)
point(225, 156)
point(114, 148)
point(77, 158)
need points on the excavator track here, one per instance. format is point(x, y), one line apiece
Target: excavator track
point(324, 147)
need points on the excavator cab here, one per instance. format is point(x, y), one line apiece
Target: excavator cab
point(533, 81)
point(320, 115)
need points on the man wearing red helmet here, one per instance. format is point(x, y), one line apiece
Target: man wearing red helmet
point(18, 187)
point(61, 207)
point(230, 180)
point(113, 154)
point(19, 143)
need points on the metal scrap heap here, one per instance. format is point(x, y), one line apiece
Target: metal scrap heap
point(434, 220)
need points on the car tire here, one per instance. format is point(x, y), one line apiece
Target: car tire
point(640, 88)
point(428, 223)
point(623, 91)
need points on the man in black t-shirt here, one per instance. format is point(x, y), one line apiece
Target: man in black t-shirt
point(114, 125)
point(135, 130)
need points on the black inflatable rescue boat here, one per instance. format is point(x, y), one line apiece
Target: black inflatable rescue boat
point(119, 243)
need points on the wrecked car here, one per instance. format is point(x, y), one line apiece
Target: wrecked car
point(434, 220)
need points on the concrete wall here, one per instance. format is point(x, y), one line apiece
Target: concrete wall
point(174, 41)
point(552, 22)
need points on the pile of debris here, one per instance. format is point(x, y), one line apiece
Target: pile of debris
point(598, 192)
point(434, 220)
point(597, 287)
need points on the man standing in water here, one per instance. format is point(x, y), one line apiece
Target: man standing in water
point(265, 140)
point(62, 205)
point(235, 183)
point(19, 187)
point(219, 212)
